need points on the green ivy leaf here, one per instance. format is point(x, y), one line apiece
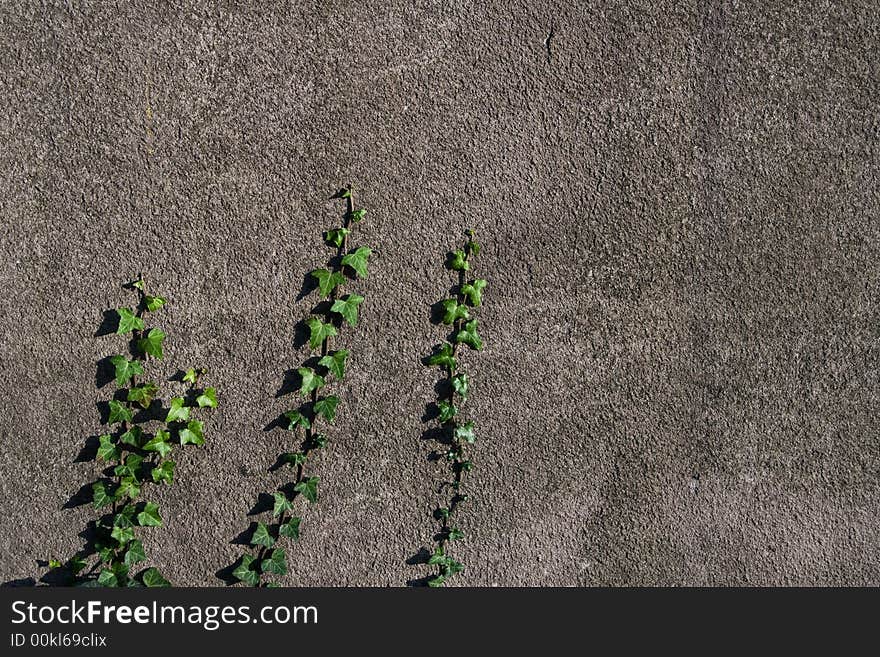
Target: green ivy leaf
point(207, 398)
point(346, 193)
point(101, 495)
point(319, 331)
point(135, 553)
point(458, 261)
point(276, 563)
point(123, 535)
point(149, 517)
point(125, 369)
point(443, 357)
point(262, 536)
point(438, 558)
point(319, 440)
point(107, 578)
point(125, 517)
point(336, 236)
point(437, 581)
point(447, 411)
point(473, 291)
point(164, 472)
point(178, 412)
point(453, 567)
point(106, 553)
point(131, 466)
point(129, 486)
point(143, 394)
point(119, 412)
point(76, 564)
point(348, 307)
point(295, 459)
point(154, 303)
point(192, 375)
point(357, 260)
point(152, 344)
point(193, 433)
point(309, 380)
point(466, 433)
point(138, 284)
point(308, 488)
point(120, 569)
point(128, 321)
point(473, 247)
point(466, 466)
point(160, 443)
point(455, 534)
point(290, 529)
point(153, 579)
point(326, 407)
point(327, 281)
point(133, 437)
point(282, 504)
point(335, 362)
point(448, 565)
point(297, 419)
point(358, 215)
point(468, 335)
point(460, 384)
point(453, 311)
point(245, 573)
point(107, 448)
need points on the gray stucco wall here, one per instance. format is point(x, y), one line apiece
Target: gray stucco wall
point(679, 209)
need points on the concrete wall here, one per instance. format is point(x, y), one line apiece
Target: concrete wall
point(679, 209)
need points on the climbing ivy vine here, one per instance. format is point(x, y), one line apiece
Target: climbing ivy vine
point(308, 421)
point(136, 451)
point(456, 435)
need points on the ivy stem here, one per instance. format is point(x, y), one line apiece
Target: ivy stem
point(308, 443)
point(458, 471)
point(346, 222)
point(136, 335)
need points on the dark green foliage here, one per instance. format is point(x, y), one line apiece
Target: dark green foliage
point(337, 308)
point(468, 294)
point(135, 454)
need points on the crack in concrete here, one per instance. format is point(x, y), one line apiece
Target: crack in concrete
point(547, 43)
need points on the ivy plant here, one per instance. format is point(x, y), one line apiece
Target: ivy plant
point(316, 408)
point(457, 435)
point(136, 451)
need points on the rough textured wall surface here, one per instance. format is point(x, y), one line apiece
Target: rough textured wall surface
point(679, 209)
